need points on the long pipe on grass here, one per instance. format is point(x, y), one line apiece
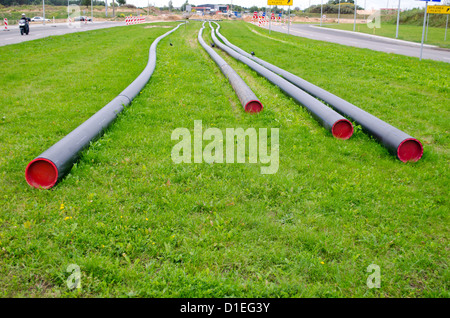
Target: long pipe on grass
point(53, 164)
point(339, 126)
point(246, 96)
point(399, 143)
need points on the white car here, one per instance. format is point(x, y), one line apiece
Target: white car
point(39, 19)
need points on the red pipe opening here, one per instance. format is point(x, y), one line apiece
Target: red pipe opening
point(410, 150)
point(253, 106)
point(41, 173)
point(342, 129)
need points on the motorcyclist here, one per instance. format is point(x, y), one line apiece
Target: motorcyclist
point(27, 24)
point(25, 17)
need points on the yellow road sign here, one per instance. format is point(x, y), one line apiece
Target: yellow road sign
point(439, 9)
point(280, 2)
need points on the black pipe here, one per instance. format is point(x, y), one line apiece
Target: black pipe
point(246, 96)
point(405, 147)
point(53, 164)
point(339, 126)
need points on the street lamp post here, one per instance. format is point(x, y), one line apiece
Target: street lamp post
point(339, 10)
point(354, 19)
point(398, 19)
point(423, 29)
point(321, 11)
point(43, 9)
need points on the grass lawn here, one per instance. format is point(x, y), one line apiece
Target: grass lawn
point(406, 32)
point(139, 225)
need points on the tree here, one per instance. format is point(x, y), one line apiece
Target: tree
point(183, 6)
point(342, 1)
point(86, 3)
point(170, 5)
point(121, 2)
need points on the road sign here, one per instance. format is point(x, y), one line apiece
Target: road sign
point(280, 2)
point(439, 9)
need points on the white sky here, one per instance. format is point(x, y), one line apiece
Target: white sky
point(302, 4)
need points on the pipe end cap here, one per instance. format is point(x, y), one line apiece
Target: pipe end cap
point(41, 173)
point(410, 150)
point(253, 106)
point(342, 129)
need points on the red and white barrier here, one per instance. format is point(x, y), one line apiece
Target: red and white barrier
point(255, 17)
point(134, 20)
point(5, 20)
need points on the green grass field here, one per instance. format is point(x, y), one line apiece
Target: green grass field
point(413, 33)
point(139, 225)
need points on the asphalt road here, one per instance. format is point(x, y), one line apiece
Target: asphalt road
point(38, 31)
point(367, 41)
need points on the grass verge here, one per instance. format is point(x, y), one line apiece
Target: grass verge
point(139, 225)
point(413, 33)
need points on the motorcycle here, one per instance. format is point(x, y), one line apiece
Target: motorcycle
point(24, 26)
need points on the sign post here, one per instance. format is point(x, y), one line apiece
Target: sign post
point(321, 12)
point(446, 25)
point(282, 3)
point(398, 19)
point(339, 10)
point(424, 24)
point(440, 10)
point(270, 21)
point(423, 30)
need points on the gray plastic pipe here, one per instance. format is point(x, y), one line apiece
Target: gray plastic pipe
point(405, 147)
point(53, 164)
point(246, 96)
point(339, 126)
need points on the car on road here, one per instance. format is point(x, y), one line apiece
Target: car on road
point(39, 19)
point(82, 18)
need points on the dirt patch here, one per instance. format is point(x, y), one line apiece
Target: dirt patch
point(193, 42)
point(265, 36)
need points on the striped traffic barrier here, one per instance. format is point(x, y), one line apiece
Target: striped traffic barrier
point(5, 20)
point(134, 20)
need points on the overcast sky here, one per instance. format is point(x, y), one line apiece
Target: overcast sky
point(302, 4)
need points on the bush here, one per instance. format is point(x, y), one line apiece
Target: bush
point(331, 8)
point(415, 17)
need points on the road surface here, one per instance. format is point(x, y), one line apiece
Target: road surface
point(38, 31)
point(367, 41)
